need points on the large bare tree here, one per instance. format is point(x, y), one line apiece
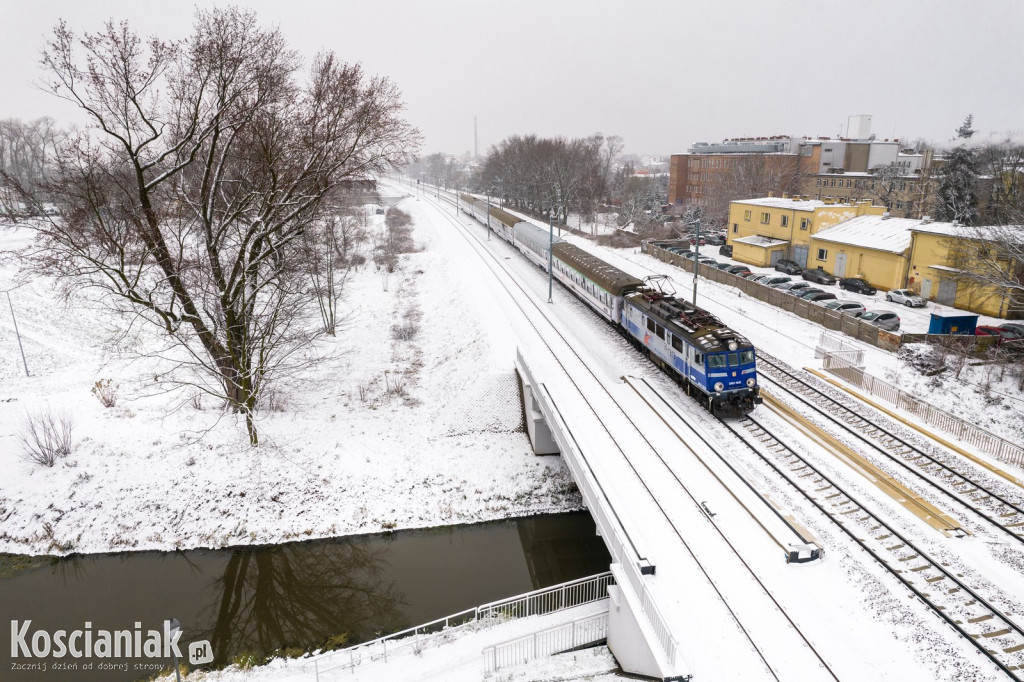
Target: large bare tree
point(206, 160)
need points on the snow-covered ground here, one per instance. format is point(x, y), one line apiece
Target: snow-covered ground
point(384, 433)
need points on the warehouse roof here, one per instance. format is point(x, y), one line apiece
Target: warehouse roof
point(876, 232)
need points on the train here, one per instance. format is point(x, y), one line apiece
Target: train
point(713, 363)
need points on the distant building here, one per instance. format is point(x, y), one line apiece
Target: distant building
point(838, 169)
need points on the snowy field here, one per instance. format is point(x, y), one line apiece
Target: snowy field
point(383, 434)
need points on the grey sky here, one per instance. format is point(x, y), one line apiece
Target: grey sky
point(661, 74)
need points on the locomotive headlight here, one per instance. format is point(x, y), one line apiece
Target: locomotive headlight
point(719, 386)
point(750, 382)
point(733, 345)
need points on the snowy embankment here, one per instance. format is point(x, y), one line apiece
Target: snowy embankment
point(388, 431)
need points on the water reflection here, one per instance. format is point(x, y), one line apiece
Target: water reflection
point(261, 599)
point(292, 596)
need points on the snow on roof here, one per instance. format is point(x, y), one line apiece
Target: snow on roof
point(1000, 233)
point(758, 240)
point(780, 202)
point(872, 232)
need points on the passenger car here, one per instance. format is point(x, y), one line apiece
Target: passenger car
point(814, 298)
point(857, 285)
point(1015, 326)
point(722, 266)
point(1005, 335)
point(808, 291)
point(725, 250)
point(772, 280)
point(818, 276)
point(706, 260)
point(885, 319)
point(739, 270)
point(794, 287)
point(846, 307)
point(906, 297)
point(790, 267)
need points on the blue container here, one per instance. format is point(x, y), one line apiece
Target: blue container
point(952, 323)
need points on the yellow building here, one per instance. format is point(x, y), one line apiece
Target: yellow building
point(932, 274)
point(763, 231)
point(873, 247)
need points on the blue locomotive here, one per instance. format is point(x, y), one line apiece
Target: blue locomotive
point(715, 365)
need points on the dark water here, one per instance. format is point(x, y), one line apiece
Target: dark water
point(258, 599)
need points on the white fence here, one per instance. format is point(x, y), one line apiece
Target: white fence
point(538, 602)
point(986, 441)
point(582, 631)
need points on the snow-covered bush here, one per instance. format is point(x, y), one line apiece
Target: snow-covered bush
point(105, 391)
point(45, 436)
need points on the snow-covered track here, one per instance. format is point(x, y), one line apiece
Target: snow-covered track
point(945, 592)
point(990, 500)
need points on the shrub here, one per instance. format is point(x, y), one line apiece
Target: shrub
point(106, 392)
point(46, 436)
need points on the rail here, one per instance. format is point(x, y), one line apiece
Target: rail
point(580, 632)
point(984, 440)
point(538, 602)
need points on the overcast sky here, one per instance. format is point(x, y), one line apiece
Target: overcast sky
point(661, 74)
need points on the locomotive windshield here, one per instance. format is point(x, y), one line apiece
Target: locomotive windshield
point(723, 360)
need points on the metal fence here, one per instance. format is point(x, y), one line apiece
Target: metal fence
point(580, 632)
point(986, 441)
point(538, 602)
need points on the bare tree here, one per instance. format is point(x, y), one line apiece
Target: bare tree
point(186, 200)
point(27, 150)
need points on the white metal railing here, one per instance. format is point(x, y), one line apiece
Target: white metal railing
point(610, 528)
point(538, 602)
point(580, 632)
point(986, 441)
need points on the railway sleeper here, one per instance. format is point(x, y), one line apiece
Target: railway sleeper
point(1013, 649)
point(979, 619)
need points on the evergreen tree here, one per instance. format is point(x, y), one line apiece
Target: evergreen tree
point(958, 200)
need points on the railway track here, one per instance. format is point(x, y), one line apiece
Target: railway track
point(566, 346)
point(944, 472)
point(994, 633)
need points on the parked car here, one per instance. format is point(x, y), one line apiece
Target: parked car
point(715, 239)
point(722, 266)
point(809, 291)
point(845, 307)
point(1015, 326)
point(741, 270)
point(693, 240)
point(725, 250)
point(706, 260)
point(1011, 332)
point(814, 298)
point(790, 267)
point(818, 276)
point(1004, 335)
point(905, 297)
point(772, 280)
point(857, 285)
point(793, 287)
point(885, 319)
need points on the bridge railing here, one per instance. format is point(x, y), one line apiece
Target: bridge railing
point(580, 632)
point(538, 602)
point(634, 566)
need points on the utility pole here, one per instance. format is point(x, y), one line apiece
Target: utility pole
point(16, 332)
point(551, 241)
point(696, 262)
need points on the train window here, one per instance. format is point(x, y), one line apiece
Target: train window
point(746, 357)
point(677, 344)
point(650, 325)
point(734, 359)
point(716, 361)
point(699, 359)
point(660, 331)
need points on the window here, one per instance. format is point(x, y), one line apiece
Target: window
point(677, 344)
point(699, 359)
point(716, 361)
point(650, 325)
point(833, 182)
point(660, 331)
point(822, 254)
point(746, 216)
point(848, 183)
point(784, 220)
point(805, 224)
point(746, 357)
point(765, 217)
point(735, 228)
point(734, 359)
